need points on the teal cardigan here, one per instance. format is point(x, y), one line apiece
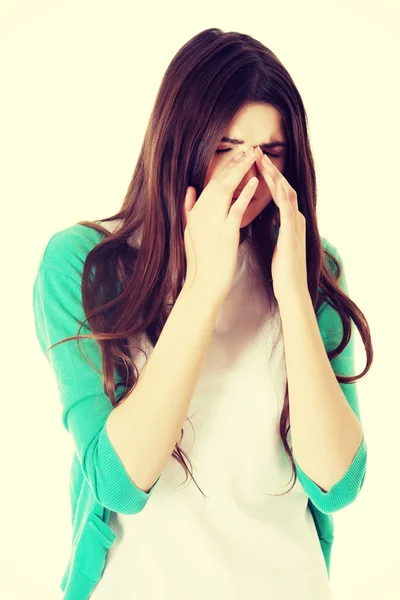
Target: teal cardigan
point(99, 482)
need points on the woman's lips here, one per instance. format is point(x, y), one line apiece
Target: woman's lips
point(234, 198)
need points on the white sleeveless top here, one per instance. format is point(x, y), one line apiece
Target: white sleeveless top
point(239, 542)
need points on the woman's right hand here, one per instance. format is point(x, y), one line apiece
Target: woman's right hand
point(212, 229)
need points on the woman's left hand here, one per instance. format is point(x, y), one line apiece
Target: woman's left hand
point(289, 264)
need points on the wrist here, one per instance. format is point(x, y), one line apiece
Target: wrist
point(295, 298)
point(201, 294)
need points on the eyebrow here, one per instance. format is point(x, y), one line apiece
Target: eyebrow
point(266, 145)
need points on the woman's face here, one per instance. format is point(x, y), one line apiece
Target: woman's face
point(254, 125)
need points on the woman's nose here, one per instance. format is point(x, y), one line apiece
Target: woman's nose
point(254, 171)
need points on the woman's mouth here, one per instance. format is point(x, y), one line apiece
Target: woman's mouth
point(234, 198)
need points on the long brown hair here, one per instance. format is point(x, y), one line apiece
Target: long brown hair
point(211, 77)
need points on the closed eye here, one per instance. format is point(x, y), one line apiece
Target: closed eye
point(229, 149)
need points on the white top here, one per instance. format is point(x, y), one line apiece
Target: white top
point(239, 543)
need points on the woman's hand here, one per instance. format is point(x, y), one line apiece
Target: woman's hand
point(289, 264)
point(212, 228)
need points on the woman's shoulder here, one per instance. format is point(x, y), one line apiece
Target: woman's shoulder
point(329, 251)
point(66, 250)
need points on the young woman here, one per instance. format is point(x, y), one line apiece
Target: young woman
point(217, 319)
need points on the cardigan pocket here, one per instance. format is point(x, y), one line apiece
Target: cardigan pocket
point(102, 529)
point(95, 540)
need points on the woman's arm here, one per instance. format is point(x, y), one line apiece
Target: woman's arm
point(145, 427)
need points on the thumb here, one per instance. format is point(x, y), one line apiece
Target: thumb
point(189, 202)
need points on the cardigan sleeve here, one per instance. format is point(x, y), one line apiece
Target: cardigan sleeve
point(345, 491)
point(57, 309)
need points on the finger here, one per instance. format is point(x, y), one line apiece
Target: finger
point(188, 203)
point(277, 183)
point(233, 173)
point(238, 208)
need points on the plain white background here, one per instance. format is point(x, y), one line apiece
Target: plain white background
point(78, 83)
